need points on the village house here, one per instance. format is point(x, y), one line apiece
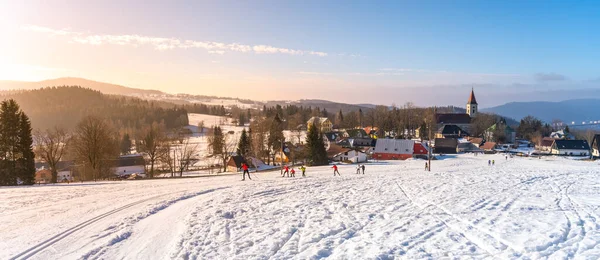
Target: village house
point(393, 149)
point(545, 144)
point(323, 123)
point(596, 146)
point(355, 133)
point(64, 171)
point(571, 147)
point(488, 146)
point(508, 135)
point(463, 121)
point(451, 131)
point(476, 141)
point(562, 134)
point(130, 164)
point(445, 146)
point(351, 155)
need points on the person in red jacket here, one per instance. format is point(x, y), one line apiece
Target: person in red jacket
point(293, 173)
point(245, 168)
point(286, 170)
point(335, 170)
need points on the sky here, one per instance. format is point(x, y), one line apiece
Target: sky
point(346, 51)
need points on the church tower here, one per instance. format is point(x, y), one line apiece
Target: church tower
point(472, 105)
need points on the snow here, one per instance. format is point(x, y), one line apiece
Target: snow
point(518, 209)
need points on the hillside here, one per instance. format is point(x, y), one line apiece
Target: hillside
point(322, 104)
point(577, 110)
point(65, 106)
point(103, 87)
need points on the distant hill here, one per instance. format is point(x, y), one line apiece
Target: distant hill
point(331, 107)
point(105, 88)
point(577, 110)
point(66, 106)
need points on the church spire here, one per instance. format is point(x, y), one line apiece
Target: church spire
point(472, 99)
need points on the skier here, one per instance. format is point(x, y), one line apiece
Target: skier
point(245, 168)
point(507, 157)
point(335, 170)
point(489, 162)
point(303, 169)
point(358, 169)
point(493, 162)
point(426, 166)
point(293, 173)
point(363, 169)
point(286, 170)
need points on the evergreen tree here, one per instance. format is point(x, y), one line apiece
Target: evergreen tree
point(244, 144)
point(316, 146)
point(26, 164)
point(16, 151)
point(126, 144)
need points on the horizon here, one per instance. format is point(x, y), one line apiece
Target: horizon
point(333, 51)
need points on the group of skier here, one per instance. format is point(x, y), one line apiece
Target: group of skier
point(290, 172)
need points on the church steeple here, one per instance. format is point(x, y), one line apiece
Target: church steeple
point(472, 104)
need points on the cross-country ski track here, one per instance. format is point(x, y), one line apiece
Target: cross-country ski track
point(521, 208)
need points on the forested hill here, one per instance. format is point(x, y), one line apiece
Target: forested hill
point(65, 106)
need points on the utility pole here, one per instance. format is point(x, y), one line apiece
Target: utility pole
point(281, 155)
point(429, 157)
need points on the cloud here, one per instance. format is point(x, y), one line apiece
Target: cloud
point(550, 77)
point(162, 44)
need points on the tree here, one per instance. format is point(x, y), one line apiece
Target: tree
point(220, 146)
point(339, 119)
point(275, 135)
point(16, 153)
point(26, 163)
point(529, 127)
point(152, 140)
point(126, 144)
point(95, 145)
point(317, 154)
point(186, 155)
point(244, 144)
point(51, 146)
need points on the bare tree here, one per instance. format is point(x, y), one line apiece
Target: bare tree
point(51, 147)
point(186, 153)
point(152, 142)
point(95, 143)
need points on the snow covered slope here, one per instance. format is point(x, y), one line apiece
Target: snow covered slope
point(519, 208)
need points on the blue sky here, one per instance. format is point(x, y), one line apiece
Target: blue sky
point(321, 45)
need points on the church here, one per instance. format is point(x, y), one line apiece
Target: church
point(457, 125)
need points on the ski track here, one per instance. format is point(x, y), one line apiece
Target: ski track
point(518, 209)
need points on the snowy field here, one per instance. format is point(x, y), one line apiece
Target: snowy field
point(522, 208)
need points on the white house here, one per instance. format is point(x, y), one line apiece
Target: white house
point(355, 156)
point(571, 147)
point(130, 164)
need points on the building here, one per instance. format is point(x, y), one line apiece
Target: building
point(446, 146)
point(355, 133)
point(463, 121)
point(500, 132)
point(235, 163)
point(323, 123)
point(351, 155)
point(130, 164)
point(64, 170)
point(562, 134)
point(451, 131)
point(420, 149)
point(476, 141)
point(488, 146)
point(472, 105)
point(43, 176)
point(545, 144)
point(393, 149)
point(571, 147)
point(596, 146)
